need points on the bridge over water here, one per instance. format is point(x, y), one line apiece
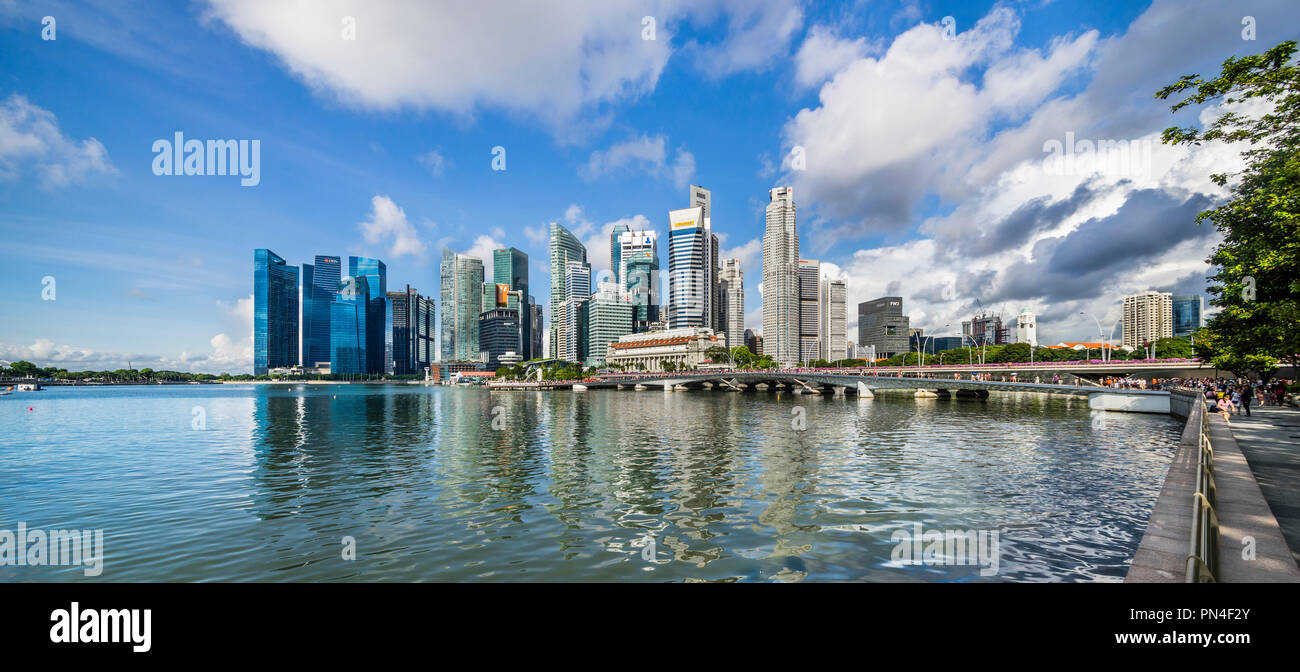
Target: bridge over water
point(865, 385)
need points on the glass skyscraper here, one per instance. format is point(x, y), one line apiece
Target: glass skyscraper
point(275, 312)
point(377, 333)
point(510, 267)
point(349, 318)
point(1189, 313)
point(564, 247)
point(320, 283)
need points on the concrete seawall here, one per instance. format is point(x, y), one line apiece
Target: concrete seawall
point(1251, 546)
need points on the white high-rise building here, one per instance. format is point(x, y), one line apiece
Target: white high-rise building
point(781, 279)
point(690, 269)
point(1148, 317)
point(834, 337)
point(732, 308)
point(1027, 328)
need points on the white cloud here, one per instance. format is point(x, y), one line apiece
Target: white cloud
point(434, 162)
point(388, 222)
point(483, 247)
point(646, 154)
point(758, 34)
point(31, 142)
point(823, 54)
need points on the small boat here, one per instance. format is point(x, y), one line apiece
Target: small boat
point(29, 387)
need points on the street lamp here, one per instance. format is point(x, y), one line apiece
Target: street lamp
point(1105, 356)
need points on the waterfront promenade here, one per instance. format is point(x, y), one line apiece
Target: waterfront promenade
point(1270, 440)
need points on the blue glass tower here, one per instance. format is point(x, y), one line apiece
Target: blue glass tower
point(375, 274)
point(349, 326)
point(320, 283)
point(275, 312)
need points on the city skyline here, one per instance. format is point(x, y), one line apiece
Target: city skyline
point(151, 268)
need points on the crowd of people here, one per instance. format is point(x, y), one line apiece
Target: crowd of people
point(1234, 397)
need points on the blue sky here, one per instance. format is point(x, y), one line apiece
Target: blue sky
point(919, 148)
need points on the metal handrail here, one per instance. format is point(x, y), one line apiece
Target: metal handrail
point(1203, 552)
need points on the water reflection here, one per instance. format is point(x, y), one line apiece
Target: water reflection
point(469, 484)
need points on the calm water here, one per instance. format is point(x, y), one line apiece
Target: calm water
point(571, 485)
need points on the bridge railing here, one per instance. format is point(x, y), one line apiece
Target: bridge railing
point(1203, 554)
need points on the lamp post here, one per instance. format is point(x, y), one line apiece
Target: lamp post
point(1105, 355)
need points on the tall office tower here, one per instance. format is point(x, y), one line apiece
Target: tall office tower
point(689, 280)
point(781, 279)
point(275, 312)
point(571, 331)
point(510, 267)
point(377, 326)
point(535, 324)
point(810, 289)
point(701, 198)
point(616, 251)
point(469, 305)
point(732, 290)
point(350, 317)
point(498, 334)
point(639, 275)
point(718, 295)
point(413, 325)
point(447, 296)
point(834, 345)
point(1027, 328)
point(320, 281)
point(609, 317)
point(883, 326)
point(1148, 317)
point(563, 247)
point(577, 280)
point(1189, 311)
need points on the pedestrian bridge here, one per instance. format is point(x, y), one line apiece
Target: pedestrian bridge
point(833, 383)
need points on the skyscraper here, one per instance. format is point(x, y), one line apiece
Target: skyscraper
point(510, 267)
point(563, 247)
point(781, 279)
point(703, 198)
point(469, 305)
point(499, 333)
point(275, 312)
point(883, 326)
point(349, 321)
point(690, 285)
point(320, 283)
point(377, 327)
point(639, 275)
point(413, 331)
point(609, 317)
point(732, 307)
point(616, 251)
point(810, 289)
point(1148, 317)
point(447, 296)
point(462, 303)
point(1188, 314)
point(834, 346)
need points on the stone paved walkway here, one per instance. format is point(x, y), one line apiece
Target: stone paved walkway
point(1270, 440)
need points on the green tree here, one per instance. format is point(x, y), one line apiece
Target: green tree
point(1257, 266)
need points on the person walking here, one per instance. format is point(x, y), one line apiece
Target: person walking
point(1247, 396)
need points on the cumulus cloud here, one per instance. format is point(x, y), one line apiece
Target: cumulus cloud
point(32, 144)
point(645, 154)
point(823, 54)
point(388, 225)
point(966, 124)
point(757, 35)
